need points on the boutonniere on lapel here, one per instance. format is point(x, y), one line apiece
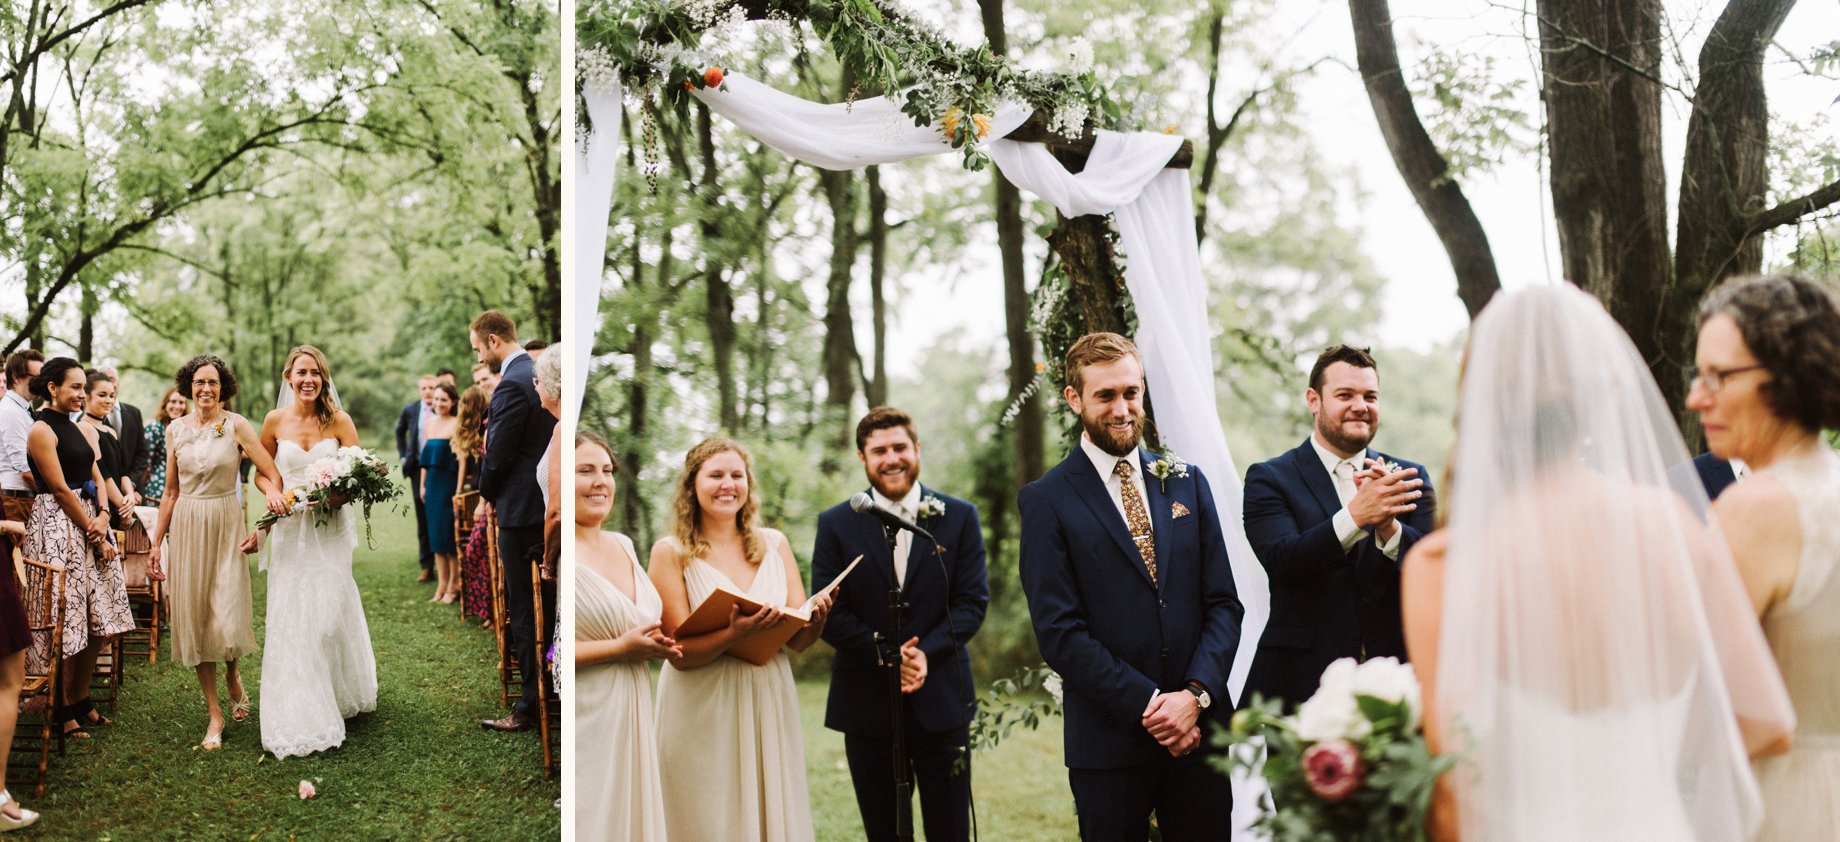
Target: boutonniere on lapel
point(931, 506)
point(1177, 510)
point(1166, 466)
point(1390, 466)
point(217, 432)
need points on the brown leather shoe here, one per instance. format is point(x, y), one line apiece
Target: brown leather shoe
point(515, 721)
point(427, 576)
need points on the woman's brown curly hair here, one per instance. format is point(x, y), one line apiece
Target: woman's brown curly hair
point(1792, 325)
point(686, 527)
point(225, 391)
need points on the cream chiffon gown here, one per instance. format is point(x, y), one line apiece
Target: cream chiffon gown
point(1801, 789)
point(731, 749)
point(618, 794)
point(213, 614)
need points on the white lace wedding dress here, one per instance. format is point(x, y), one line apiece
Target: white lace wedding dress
point(317, 666)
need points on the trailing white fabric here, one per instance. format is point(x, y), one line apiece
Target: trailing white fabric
point(596, 160)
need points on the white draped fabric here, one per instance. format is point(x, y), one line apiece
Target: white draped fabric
point(596, 159)
point(1125, 174)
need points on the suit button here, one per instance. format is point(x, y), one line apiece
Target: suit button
point(1165, 653)
point(1163, 602)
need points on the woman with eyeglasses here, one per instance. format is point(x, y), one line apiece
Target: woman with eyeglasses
point(1765, 387)
point(213, 615)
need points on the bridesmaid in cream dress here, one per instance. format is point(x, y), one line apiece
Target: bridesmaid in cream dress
point(213, 617)
point(731, 749)
point(618, 792)
point(1769, 350)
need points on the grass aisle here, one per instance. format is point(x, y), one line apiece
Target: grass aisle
point(1020, 787)
point(420, 767)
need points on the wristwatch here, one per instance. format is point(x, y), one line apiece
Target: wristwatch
point(1201, 695)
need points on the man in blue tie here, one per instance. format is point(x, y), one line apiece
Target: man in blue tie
point(1132, 598)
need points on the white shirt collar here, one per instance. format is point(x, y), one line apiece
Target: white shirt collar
point(1330, 460)
point(506, 362)
point(14, 397)
point(909, 504)
point(1739, 470)
point(1105, 463)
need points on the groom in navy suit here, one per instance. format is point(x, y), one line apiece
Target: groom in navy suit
point(1133, 603)
point(1330, 521)
point(945, 591)
point(517, 432)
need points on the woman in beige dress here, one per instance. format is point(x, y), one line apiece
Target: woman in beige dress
point(730, 746)
point(617, 611)
point(1768, 358)
point(212, 615)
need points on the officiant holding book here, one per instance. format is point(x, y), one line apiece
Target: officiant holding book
point(942, 586)
point(731, 750)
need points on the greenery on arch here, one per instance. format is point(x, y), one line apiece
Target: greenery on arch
point(662, 49)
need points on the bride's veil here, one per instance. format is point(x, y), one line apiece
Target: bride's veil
point(1597, 649)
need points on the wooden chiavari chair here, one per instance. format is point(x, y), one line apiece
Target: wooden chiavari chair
point(37, 727)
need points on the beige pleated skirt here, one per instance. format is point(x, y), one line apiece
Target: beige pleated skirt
point(207, 580)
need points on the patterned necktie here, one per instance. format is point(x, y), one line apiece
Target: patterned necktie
point(1136, 516)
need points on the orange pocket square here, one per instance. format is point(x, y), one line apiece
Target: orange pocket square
point(1178, 510)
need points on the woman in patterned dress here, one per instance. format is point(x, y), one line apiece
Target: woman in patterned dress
point(15, 639)
point(469, 448)
point(212, 613)
point(173, 406)
point(67, 527)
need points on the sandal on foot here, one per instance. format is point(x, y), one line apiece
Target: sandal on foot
point(8, 823)
point(239, 711)
point(213, 740)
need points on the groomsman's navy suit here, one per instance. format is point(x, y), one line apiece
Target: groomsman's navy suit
point(1714, 473)
point(1117, 638)
point(1326, 602)
point(517, 432)
point(409, 448)
point(946, 596)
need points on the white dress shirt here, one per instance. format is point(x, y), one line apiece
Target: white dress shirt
point(1739, 470)
point(908, 507)
point(15, 426)
point(1341, 474)
point(1106, 465)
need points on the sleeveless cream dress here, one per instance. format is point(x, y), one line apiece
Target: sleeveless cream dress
point(730, 745)
point(1801, 789)
point(617, 789)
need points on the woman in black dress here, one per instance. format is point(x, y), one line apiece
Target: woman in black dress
point(69, 527)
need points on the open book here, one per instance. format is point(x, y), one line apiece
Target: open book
point(757, 648)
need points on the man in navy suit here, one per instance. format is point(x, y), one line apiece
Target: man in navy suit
point(1133, 603)
point(409, 448)
point(1717, 474)
point(1330, 521)
point(517, 431)
point(945, 590)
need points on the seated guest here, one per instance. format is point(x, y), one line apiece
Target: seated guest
point(730, 746)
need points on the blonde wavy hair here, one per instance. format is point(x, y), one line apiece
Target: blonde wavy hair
point(326, 407)
point(686, 526)
point(469, 436)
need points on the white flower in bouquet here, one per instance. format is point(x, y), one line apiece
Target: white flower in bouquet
point(1052, 684)
point(321, 473)
point(1388, 680)
point(1332, 712)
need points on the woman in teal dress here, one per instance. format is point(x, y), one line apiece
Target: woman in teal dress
point(440, 476)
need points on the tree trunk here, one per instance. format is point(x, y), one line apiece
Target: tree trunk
point(1424, 169)
point(86, 330)
point(1030, 449)
point(840, 355)
point(876, 385)
point(1724, 181)
point(718, 299)
point(1096, 293)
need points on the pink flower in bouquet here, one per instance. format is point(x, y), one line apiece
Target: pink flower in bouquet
point(1333, 769)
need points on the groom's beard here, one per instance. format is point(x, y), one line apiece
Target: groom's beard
point(1121, 444)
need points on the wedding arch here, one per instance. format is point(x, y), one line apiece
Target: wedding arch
point(1031, 125)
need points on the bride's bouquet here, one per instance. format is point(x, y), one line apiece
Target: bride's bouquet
point(353, 474)
point(1350, 764)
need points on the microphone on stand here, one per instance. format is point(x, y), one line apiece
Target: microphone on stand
point(865, 504)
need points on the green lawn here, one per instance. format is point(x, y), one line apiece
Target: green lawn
point(420, 767)
point(1020, 787)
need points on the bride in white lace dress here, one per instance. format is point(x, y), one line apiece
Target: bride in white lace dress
point(317, 666)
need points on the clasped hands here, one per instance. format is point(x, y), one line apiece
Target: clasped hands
point(1381, 497)
point(648, 643)
point(1173, 718)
